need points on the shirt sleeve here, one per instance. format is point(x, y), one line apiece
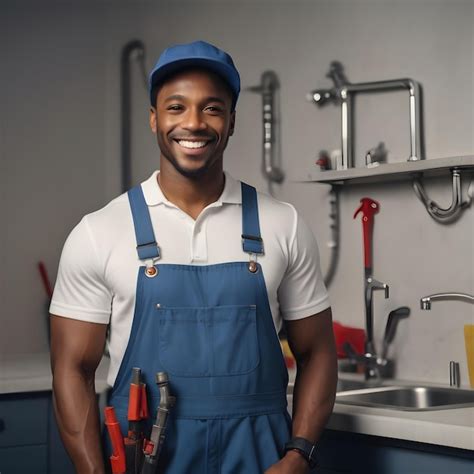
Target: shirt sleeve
point(80, 291)
point(302, 291)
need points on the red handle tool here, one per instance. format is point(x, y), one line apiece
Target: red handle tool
point(369, 208)
point(137, 404)
point(117, 459)
point(45, 279)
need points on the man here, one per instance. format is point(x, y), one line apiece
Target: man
point(218, 266)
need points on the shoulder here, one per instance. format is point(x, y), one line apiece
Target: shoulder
point(279, 216)
point(100, 232)
point(111, 214)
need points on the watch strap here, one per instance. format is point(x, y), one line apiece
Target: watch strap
point(305, 448)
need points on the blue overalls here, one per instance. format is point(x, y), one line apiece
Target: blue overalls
point(211, 329)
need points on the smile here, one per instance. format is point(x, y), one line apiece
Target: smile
point(192, 144)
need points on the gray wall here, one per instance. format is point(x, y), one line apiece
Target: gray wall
point(59, 140)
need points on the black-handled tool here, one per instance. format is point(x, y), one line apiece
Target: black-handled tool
point(390, 329)
point(152, 447)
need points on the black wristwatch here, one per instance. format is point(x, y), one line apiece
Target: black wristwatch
point(305, 448)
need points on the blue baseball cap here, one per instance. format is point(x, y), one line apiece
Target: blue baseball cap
point(199, 54)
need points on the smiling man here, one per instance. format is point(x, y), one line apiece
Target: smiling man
point(193, 273)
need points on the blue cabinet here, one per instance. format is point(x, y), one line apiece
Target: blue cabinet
point(29, 440)
point(343, 452)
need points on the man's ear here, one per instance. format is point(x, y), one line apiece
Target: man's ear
point(232, 124)
point(153, 119)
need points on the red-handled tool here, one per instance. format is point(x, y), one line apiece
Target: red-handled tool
point(117, 459)
point(369, 208)
point(45, 279)
point(137, 412)
point(49, 293)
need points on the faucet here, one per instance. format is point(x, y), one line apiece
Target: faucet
point(372, 360)
point(342, 94)
point(425, 302)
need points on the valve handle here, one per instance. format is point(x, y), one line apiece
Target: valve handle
point(369, 208)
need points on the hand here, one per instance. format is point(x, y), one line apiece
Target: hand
point(292, 463)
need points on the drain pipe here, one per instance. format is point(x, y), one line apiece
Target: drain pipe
point(269, 84)
point(134, 49)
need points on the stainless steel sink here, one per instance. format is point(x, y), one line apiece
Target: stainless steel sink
point(410, 398)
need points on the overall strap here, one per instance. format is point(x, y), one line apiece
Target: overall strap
point(147, 247)
point(251, 240)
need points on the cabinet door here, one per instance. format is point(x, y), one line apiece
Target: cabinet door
point(24, 460)
point(23, 419)
point(344, 452)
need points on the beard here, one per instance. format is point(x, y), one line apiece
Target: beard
point(192, 174)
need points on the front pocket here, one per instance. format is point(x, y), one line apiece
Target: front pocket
point(208, 342)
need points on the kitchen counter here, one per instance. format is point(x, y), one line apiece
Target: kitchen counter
point(453, 427)
point(448, 427)
point(23, 373)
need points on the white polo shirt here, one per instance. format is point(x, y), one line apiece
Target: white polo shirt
point(98, 270)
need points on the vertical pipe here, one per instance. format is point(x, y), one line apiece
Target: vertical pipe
point(346, 124)
point(415, 113)
point(125, 109)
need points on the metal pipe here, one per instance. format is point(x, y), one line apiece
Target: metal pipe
point(345, 92)
point(425, 302)
point(333, 244)
point(137, 48)
point(268, 85)
point(371, 284)
point(443, 215)
point(347, 160)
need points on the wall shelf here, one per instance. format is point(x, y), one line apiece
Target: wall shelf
point(389, 171)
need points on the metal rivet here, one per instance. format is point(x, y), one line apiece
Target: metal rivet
point(151, 272)
point(253, 266)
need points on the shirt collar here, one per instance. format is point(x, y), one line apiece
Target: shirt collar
point(231, 194)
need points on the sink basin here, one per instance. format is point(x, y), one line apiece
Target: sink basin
point(411, 398)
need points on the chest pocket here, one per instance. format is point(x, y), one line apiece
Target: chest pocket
point(208, 342)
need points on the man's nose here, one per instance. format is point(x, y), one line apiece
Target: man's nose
point(194, 120)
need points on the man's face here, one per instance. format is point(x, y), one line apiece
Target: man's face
point(193, 121)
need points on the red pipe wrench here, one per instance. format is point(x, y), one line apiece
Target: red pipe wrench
point(369, 208)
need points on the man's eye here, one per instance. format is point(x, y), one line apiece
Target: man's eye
point(213, 108)
point(175, 107)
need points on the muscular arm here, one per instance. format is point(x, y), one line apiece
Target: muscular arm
point(76, 350)
point(312, 342)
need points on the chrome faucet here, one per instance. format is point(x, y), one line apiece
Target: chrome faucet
point(425, 302)
point(371, 285)
point(372, 360)
point(342, 94)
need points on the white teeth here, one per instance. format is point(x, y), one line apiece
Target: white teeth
point(188, 144)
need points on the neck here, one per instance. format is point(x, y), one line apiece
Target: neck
point(191, 195)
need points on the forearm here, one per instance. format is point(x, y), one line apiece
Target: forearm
point(314, 394)
point(77, 414)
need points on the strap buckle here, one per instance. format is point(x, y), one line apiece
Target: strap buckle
point(147, 251)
